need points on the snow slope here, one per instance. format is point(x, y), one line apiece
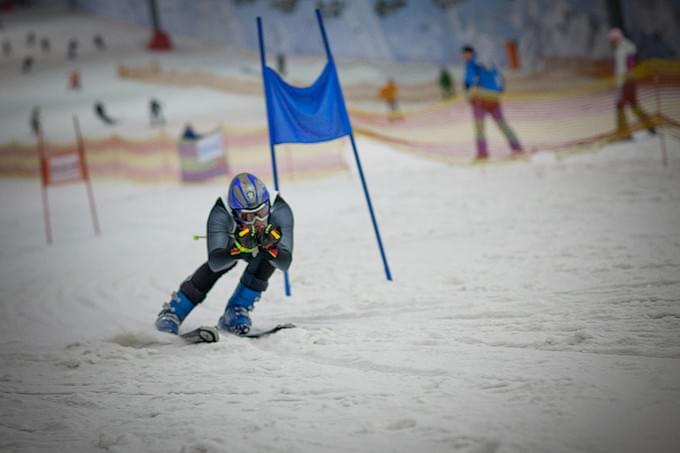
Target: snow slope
point(535, 305)
point(534, 308)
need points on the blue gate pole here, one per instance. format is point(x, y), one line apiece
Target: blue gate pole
point(323, 34)
point(263, 63)
point(388, 274)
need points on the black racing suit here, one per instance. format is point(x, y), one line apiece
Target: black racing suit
point(221, 228)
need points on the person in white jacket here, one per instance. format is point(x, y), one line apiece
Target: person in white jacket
point(624, 60)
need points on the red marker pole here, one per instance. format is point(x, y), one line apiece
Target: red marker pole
point(44, 175)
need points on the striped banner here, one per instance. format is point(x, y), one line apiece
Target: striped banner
point(202, 159)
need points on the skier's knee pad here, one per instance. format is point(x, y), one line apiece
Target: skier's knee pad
point(195, 295)
point(256, 276)
point(251, 281)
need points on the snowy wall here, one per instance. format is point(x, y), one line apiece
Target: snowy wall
point(419, 30)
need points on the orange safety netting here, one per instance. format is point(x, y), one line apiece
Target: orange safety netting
point(574, 114)
point(156, 158)
point(550, 114)
point(568, 118)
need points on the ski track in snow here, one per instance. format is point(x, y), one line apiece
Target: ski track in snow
point(535, 307)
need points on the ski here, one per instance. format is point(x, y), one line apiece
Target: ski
point(256, 333)
point(203, 334)
point(208, 334)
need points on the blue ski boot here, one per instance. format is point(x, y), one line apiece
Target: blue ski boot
point(174, 312)
point(236, 318)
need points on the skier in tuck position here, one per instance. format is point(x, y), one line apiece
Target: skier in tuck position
point(247, 225)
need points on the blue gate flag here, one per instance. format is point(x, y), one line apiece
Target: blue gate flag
point(312, 114)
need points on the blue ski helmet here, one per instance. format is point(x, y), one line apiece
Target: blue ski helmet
point(247, 192)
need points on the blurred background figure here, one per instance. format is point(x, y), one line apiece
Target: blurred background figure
point(156, 113)
point(624, 60)
point(446, 83)
point(26, 65)
point(390, 94)
point(100, 111)
point(98, 41)
point(30, 39)
point(6, 47)
point(331, 9)
point(281, 63)
point(72, 50)
point(74, 80)
point(189, 133)
point(483, 85)
point(45, 44)
point(34, 121)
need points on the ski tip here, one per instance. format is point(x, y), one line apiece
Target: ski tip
point(209, 335)
point(204, 334)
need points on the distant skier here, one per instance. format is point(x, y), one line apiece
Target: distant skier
point(6, 47)
point(74, 80)
point(189, 133)
point(390, 94)
point(30, 39)
point(26, 65)
point(45, 44)
point(36, 126)
point(99, 42)
point(246, 224)
point(100, 111)
point(156, 113)
point(281, 63)
point(72, 49)
point(625, 56)
point(446, 83)
point(484, 85)
point(332, 8)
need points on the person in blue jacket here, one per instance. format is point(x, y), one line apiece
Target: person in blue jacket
point(249, 225)
point(484, 86)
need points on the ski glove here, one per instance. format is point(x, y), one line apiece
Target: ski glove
point(269, 238)
point(245, 241)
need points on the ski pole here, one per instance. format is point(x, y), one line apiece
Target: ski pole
point(198, 236)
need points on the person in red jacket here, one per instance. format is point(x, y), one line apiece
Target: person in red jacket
point(624, 60)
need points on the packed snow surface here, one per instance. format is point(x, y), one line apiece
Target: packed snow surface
point(535, 307)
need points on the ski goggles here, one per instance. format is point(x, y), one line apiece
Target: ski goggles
point(250, 216)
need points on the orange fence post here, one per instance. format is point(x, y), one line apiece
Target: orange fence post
point(513, 53)
point(43, 189)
